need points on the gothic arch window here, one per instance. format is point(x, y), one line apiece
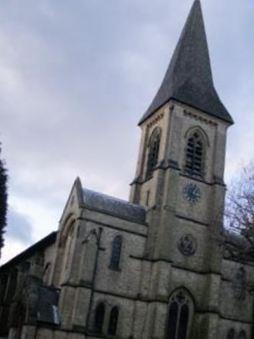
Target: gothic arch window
point(194, 154)
point(99, 318)
point(113, 320)
point(179, 315)
point(242, 335)
point(153, 151)
point(231, 334)
point(116, 252)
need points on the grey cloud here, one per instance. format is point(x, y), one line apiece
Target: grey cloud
point(76, 76)
point(19, 227)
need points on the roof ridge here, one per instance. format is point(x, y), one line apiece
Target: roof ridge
point(113, 197)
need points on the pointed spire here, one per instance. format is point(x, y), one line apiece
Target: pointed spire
point(189, 77)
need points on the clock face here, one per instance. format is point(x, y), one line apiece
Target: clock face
point(192, 193)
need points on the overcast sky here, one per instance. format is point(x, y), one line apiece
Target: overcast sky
point(76, 76)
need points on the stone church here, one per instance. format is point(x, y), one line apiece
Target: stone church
point(151, 267)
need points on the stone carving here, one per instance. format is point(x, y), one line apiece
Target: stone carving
point(187, 245)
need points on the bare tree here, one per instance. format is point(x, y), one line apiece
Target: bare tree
point(239, 216)
point(3, 201)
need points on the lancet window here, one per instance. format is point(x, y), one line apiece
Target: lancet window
point(153, 151)
point(113, 320)
point(179, 316)
point(99, 318)
point(242, 335)
point(231, 334)
point(116, 252)
point(194, 156)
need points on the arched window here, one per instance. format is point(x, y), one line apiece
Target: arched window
point(67, 242)
point(231, 334)
point(194, 157)
point(153, 151)
point(116, 252)
point(172, 319)
point(112, 326)
point(179, 316)
point(99, 318)
point(242, 335)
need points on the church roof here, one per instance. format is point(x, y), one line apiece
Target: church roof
point(30, 251)
point(189, 76)
point(114, 206)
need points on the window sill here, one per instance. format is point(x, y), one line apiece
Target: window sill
point(116, 269)
point(193, 176)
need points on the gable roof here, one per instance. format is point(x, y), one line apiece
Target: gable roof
point(189, 76)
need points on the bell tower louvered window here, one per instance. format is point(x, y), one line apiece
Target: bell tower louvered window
point(194, 157)
point(153, 151)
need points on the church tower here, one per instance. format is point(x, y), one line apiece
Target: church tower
point(180, 167)
point(180, 176)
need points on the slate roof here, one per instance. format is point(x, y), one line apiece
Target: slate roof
point(189, 76)
point(114, 206)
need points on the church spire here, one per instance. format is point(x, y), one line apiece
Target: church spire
point(189, 77)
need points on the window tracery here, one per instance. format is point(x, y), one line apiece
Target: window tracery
point(179, 316)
